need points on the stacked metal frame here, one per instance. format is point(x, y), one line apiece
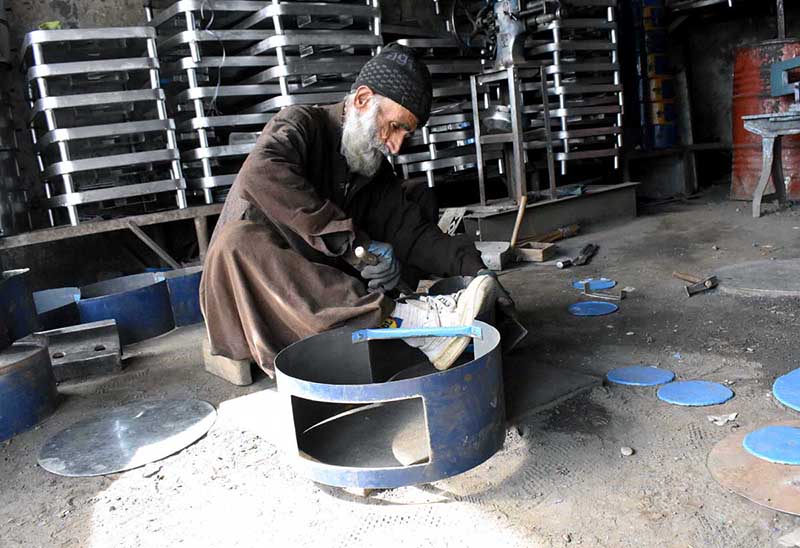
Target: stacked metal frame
point(577, 42)
point(444, 149)
point(232, 64)
point(104, 142)
point(514, 128)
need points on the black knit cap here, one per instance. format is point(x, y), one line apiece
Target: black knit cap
point(398, 74)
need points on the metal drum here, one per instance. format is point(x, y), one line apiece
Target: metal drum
point(184, 294)
point(17, 310)
point(140, 304)
point(751, 95)
point(27, 388)
point(378, 415)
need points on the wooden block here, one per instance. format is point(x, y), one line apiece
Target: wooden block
point(236, 372)
point(536, 252)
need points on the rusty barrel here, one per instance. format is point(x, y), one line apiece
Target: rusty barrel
point(751, 95)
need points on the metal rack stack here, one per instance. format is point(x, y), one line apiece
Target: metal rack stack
point(14, 197)
point(444, 149)
point(104, 142)
point(232, 64)
point(577, 42)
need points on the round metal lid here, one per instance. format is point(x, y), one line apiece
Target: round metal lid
point(127, 437)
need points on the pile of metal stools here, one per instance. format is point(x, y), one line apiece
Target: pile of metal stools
point(232, 64)
point(443, 149)
point(104, 142)
point(577, 41)
point(13, 193)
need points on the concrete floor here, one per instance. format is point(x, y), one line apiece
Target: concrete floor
point(559, 481)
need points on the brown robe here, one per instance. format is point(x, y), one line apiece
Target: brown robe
point(280, 264)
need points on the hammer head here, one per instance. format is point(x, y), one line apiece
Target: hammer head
point(703, 285)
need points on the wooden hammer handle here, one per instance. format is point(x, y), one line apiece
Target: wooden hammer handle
point(687, 277)
point(523, 202)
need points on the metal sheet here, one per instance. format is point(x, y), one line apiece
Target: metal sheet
point(113, 193)
point(123, 299)
point(775, 486)
point(127, 437)
point(92, 67)
point(105, 130)
point(57, 307)
point(27, 388)
point(184, 294)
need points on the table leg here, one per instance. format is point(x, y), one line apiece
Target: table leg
point(777, 171)
point(201, 229)
point(767, 151)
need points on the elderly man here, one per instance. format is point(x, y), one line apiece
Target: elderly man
point(282, 264)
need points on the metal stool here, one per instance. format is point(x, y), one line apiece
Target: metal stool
point(378, 415)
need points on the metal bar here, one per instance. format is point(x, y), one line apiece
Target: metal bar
point(149, 242)
point(364, 335)
point(781, 19)
point(551, 165)
point(518, 169)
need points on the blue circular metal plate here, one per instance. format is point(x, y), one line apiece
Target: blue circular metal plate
point(595, 284)
point(640, 375)
point(695, 393)
point(780, 444)
point(592, 308)
point(787, 389)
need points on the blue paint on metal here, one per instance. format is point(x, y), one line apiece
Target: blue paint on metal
point(592, 308)
point(27, 388)
point(779, 77)
point(463, 406)
point(695, 393)
point(18, 316)
point(787, 389)
point(780, 444)
point(595, 284)
point(139, 303)
point(364, 335)
point(184, 294)
point(640, 375)
point(57, 307)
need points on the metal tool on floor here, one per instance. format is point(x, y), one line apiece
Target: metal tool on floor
point(698, 284)
point(495, 255)
point(581, 259)
point(376, 414)
point(596, 294)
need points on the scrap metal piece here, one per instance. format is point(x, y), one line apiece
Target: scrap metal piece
point(127, 437)
point(83, 350)
point(18, 316)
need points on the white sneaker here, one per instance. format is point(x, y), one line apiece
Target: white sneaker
point(452, 310)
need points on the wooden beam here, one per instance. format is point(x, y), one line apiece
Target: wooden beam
point(201, 230)
point(84, 229)
point(149, 242)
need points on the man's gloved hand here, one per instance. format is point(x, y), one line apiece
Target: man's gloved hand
point(386, 274)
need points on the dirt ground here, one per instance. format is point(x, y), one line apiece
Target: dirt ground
point(560, 480)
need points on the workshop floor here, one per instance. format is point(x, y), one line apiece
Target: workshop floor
point(560, 480)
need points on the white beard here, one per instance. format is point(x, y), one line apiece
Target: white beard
point(361, 146)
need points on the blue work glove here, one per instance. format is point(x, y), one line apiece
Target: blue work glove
point(386, 274)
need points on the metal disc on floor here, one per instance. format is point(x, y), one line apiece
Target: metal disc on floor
point(780, 444)
point(595, 284)
point(695, 393)
point(592, 308)
point(787, 389)
point(640, 375)
point(127, 437)
point(766, 483)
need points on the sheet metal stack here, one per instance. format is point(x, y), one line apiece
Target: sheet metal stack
point(444, 149)
point(233, 64)
point(104, 141)
point(578, 45)
point(13, 193)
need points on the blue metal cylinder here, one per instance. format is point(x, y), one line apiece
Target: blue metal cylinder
point(18, 316)
point(184, 294)
point(326, 378)
point(139, 303)
point(27, 388)
point(57, 307)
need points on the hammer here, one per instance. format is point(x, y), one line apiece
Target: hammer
point(370, 259)
point(698, 284)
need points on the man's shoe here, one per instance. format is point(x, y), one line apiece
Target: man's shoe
point(452, 310)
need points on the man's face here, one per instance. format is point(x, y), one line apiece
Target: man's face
point(373, 128)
